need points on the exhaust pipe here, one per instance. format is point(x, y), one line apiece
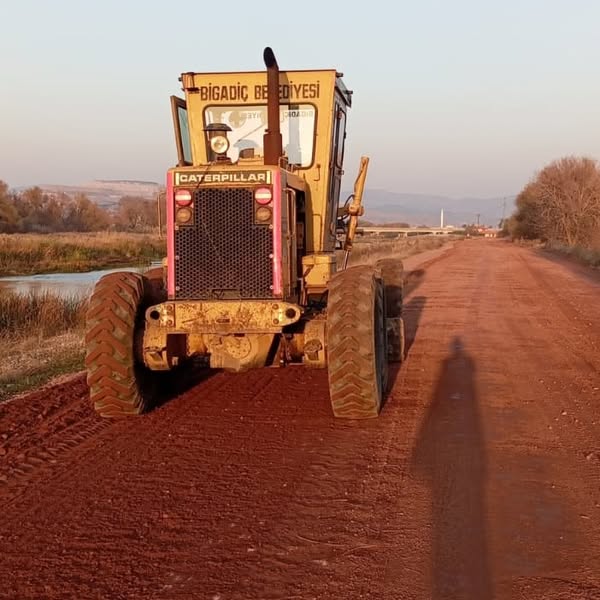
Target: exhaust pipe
point(272, 141)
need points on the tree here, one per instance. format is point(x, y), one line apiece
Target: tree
point(9, 218)
point(561, 204)
point(38, 211)
point(136, 214)
point(82, 214)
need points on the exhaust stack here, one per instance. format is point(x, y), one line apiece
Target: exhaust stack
point(272, 139)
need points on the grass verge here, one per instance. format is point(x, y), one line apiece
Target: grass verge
point(586, 256)
point(31, 376)
point(368, 251)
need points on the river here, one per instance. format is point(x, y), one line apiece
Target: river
point(62, 284)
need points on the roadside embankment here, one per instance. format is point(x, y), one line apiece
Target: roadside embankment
point(587, 256)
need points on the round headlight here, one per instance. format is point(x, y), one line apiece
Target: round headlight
point(263, 214)
point(183, 215)
point(219, 144)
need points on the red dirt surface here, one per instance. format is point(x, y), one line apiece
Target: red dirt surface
point(480, 479)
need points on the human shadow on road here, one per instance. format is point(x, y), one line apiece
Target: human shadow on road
point(450, 455)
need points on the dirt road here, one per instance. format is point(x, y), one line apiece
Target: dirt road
point(480, 480)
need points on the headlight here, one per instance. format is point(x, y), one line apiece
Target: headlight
point(183, 215)
point(263, 214)
point(219, 144)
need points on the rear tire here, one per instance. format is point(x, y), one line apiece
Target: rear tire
point(392, 273)
point(120, 385)
point(356, 343)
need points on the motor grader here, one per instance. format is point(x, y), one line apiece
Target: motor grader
point(256, 273)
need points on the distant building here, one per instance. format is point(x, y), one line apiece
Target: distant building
point(489, 232)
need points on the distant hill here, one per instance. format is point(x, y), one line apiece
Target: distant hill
point(422, 209)
point(381, 206)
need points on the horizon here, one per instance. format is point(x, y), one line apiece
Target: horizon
point(343, 191)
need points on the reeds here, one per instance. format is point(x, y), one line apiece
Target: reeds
point(39, 314)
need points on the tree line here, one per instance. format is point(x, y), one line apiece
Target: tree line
point(561, 204)
point(36, 211)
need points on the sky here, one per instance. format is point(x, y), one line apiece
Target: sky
point(462, 98)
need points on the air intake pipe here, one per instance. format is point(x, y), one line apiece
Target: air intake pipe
point(272, 139)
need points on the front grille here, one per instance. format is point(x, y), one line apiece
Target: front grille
point(223, 255)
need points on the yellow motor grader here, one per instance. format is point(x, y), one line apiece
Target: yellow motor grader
point(256, 271)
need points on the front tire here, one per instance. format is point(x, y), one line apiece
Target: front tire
point(120, 385)
point(356, 343)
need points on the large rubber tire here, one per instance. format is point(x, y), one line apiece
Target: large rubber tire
point(119, 384)
point(356, 343)
point(392, 273)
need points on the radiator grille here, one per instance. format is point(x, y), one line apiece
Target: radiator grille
point(223, 255)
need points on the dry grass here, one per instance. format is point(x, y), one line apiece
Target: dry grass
point(44, 313)
point(587, 256)
point(368, 251)
point(33, 361)
point(23, 254)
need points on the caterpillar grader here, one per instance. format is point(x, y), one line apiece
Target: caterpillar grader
point(256, 273)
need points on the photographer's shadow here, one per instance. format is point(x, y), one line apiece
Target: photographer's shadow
point(450, 456)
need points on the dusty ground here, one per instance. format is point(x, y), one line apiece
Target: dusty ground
point(480, 480)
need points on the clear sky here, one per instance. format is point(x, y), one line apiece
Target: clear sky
point(457, 97)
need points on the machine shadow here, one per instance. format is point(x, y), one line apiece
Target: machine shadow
point(450, 456)
point(412, 280)
point(167, 386)
point(411, 314)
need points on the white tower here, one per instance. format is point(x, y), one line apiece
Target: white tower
point(442, 218)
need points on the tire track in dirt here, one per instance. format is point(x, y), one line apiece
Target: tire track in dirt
point(45, 429)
